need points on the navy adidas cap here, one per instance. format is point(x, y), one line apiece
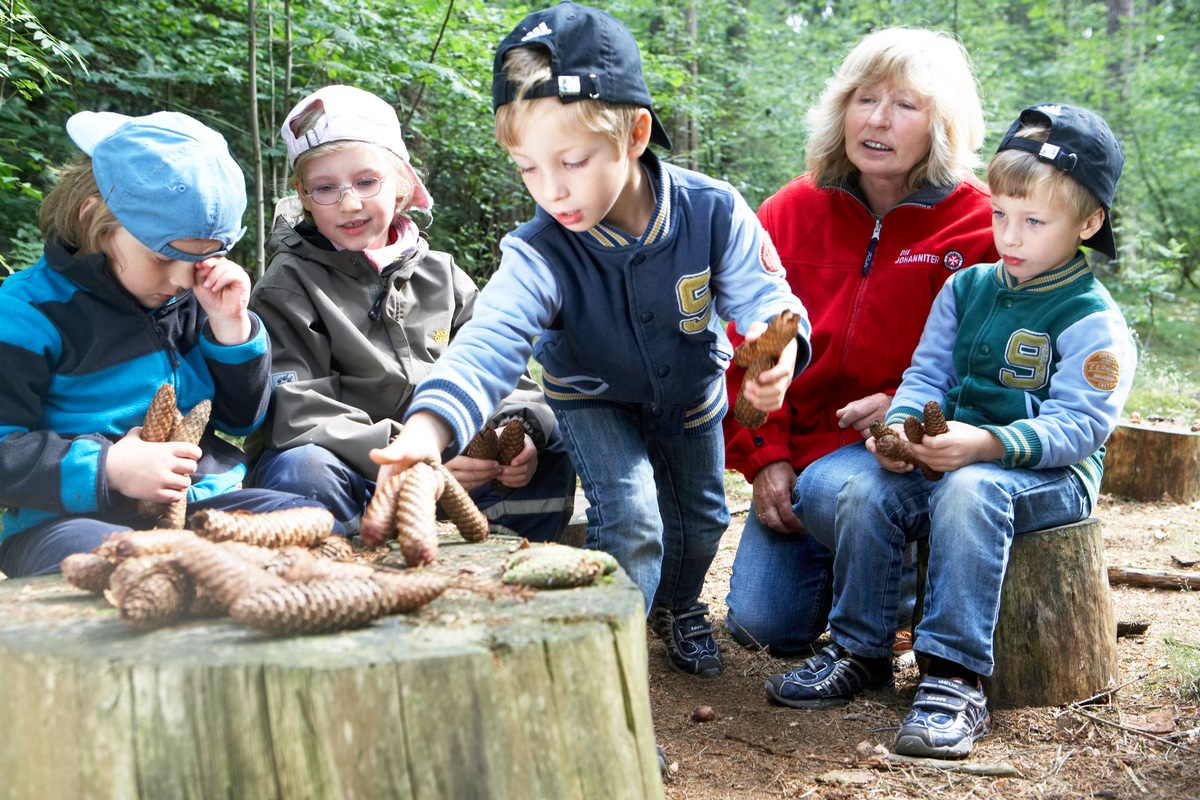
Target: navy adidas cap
point(592, 57)
point(1082, 145)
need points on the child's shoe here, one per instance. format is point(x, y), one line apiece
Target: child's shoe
point(830, 678)
point(688, 635)
point(946, 719)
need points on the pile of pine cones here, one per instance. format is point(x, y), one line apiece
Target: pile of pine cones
point(281, 572)
point(890, 445)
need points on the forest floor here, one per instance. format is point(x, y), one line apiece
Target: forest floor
point(1143, 743)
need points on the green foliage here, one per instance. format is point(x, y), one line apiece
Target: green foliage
point(732, 89)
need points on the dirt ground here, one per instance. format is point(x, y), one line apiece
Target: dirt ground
point(1145, 743)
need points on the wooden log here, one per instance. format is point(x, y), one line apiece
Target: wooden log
point(1056, 637)
point(474, 696)
point(1146, 462)
point(1154, 578)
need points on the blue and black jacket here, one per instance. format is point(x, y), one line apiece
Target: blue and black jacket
point(80, 361)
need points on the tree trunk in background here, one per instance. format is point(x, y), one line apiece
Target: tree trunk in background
point(260, 233)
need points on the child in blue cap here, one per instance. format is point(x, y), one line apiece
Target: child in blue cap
point(133, 291)
point(617, 286)
point(1032, 361)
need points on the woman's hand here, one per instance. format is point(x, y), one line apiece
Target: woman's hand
point(773, 487)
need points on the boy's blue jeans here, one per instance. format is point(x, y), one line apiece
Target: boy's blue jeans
point(657, 502)
point(970, 517)
point(782, 583)
point(539, 510)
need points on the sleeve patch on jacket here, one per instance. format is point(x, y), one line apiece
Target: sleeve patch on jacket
point(278, 378)
point(769, 256)
point(1102, 370)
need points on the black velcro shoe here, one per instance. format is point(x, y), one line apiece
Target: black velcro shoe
point(830, 678)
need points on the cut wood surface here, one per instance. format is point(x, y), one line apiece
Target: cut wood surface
point(478, 695)
point(1154, 578)
point(1148, 462)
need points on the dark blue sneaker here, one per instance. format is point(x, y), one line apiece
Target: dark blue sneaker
point(946, 719)
point(830, 678)
point(688, 635)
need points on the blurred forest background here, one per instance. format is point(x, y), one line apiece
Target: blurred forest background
point(731, 80)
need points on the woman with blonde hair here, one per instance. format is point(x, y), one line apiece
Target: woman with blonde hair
point(888, 209)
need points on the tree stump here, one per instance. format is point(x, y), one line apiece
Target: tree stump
point(474, 696)
point(1145, 462)
point(1056, 638)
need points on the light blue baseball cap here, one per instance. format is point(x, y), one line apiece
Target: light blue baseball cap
point(165, 177)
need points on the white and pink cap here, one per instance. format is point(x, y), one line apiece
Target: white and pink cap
point(352, 115)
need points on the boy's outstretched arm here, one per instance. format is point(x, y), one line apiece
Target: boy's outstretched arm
point(423, 438)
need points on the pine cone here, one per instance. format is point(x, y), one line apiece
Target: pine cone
point(759, 355)
point(935, 420)
point(461, 509)
point(743, 410)
point(88, 571)
point(405, 593)
point(334, 547)
point(485, 445)
point(191, 428)
point(157, 597)
point(893, 447)
point(313, 607)
point(304, 526)
point(127, 572)
point(416, 528)
point(914, 430)
point(131, 544)
point(379, 520)
point(511, 441)
point(879, 430)
point(160, 418)
point(223, 576)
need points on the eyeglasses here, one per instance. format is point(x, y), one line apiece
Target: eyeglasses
point(327, 194)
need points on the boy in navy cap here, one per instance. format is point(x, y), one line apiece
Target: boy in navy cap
point(133, 291)
point(1031, 361)
point(616, 286)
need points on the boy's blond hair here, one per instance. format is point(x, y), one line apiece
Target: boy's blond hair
point(1017, 173)
point(527, 67)
point(932, 65)
point(62, 215)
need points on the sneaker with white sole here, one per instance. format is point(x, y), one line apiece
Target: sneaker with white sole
point(688, 635)
point(946, 719)
point(830, 678)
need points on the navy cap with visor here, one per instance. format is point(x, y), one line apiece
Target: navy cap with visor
point(1082, 145)
point(592, 57)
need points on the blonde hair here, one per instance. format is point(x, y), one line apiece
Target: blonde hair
point(65, 213)
point(1017, 173)
point(934, 66)
point(400, 178)
point(528, 67)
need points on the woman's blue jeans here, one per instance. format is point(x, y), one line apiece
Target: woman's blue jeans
point(970, 517)
point(657, 502)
